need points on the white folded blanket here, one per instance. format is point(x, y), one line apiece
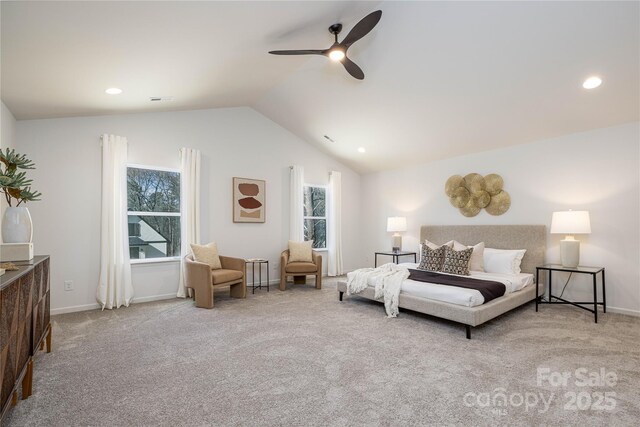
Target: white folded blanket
point(387, 280)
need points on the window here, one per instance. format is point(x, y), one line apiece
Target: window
point(153, 205)
point(315, 215)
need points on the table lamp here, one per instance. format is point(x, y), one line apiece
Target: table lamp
point(396, 224)
point(570, 223)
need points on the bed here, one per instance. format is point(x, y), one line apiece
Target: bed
point(529, 237)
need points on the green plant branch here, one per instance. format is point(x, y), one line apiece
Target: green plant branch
point(14, 184)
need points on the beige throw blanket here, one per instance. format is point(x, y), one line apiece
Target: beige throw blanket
point(387, 280)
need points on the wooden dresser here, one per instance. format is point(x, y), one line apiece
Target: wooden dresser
point(24, 327)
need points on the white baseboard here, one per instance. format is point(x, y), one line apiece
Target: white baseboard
point(96, 306)
point(271, 282)
point(153, 298)
point(626, 311)
point(75, 308)
point(274, 282)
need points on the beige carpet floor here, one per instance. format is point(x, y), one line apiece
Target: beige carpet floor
point(300, 357)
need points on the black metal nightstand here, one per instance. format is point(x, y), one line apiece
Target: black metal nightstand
point(593, 271)
point(395, 256)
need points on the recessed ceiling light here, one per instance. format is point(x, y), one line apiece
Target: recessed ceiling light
point(592, 82)
point(113, 91)
point(362, 150)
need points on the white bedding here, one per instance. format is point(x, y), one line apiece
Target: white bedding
point(386, 280)
point(462, 296)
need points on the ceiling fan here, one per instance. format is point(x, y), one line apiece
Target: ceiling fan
point(338, 51)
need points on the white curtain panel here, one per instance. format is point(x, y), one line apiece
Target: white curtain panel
point(334, 225)
point(115, 288)
point(190, 206)
point(296, 215)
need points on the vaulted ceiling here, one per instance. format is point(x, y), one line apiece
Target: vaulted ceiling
point(442, 78)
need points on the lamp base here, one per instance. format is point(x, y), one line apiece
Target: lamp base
point(397, 242)
point(569, 252)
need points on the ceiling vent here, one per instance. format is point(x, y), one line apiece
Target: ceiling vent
point(161, 98)
point(328, 138)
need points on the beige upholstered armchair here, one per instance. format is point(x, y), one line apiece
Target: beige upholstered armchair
point(201, 279)
point(300, 270)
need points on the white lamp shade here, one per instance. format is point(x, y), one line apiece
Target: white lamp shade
point(570, 222)
point(396, 223)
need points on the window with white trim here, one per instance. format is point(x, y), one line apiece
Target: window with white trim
point(315, 215)
point(153, 209)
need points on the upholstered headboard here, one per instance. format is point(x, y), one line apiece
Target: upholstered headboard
point(530, 237)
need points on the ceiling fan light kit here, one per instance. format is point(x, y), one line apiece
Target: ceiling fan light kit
point(338, 51)
point(336, 54)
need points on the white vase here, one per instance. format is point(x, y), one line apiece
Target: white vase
point(16, 225)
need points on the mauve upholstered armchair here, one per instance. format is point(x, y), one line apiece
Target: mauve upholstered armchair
point(201, 279)
point(300, 270)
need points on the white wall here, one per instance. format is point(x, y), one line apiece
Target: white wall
point(595, 171)
point(7, 138)
point(7, 127)
point(234, 142)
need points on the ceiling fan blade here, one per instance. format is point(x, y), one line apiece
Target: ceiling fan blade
point(298, 52)
point(352, 68)
point(362, 28)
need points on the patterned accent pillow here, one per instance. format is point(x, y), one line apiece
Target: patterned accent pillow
point(431, 259)
point(456, 262)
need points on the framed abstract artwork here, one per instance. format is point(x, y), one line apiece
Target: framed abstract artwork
point(249, 200)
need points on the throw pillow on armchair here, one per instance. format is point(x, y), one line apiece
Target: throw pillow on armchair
point(301, 251)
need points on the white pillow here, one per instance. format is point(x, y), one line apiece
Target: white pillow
point(300, 251)
point(207, 254)
point(503, 261)
point(476, 262)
